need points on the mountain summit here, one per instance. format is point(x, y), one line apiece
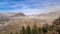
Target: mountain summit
point(19, 14)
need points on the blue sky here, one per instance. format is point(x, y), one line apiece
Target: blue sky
point(29, 6)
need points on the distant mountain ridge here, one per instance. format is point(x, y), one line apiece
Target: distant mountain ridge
point(50, 14)
point(19, 15)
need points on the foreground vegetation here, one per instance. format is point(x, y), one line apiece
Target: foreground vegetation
point(46, 29)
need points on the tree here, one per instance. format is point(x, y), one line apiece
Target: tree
point(28, 30)
point(39, 31)
point(45, 28)
point(23, 31)
point(34, 29)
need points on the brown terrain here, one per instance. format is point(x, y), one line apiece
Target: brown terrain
point(14, 22)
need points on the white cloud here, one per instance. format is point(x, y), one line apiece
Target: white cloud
point(32, 6)
point(27, 10)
